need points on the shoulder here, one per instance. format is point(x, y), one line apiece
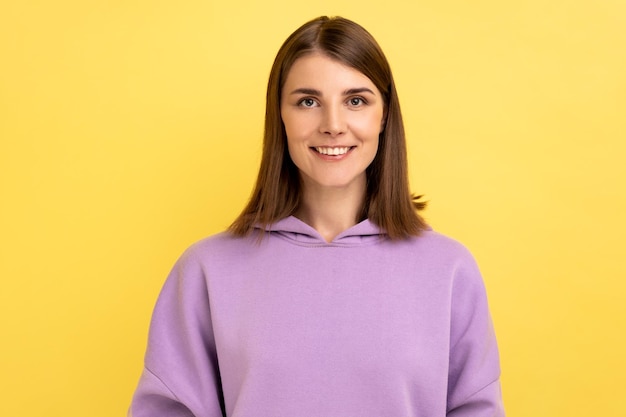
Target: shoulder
point(440, 242)
point(466, 277)
point(445, 258)
point(220, 247)
point(434, 245)
point(214, 242)
point(189, 272)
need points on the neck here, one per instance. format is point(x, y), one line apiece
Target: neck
point(330, 211)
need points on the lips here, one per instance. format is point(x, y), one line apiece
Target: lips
point(333, 151)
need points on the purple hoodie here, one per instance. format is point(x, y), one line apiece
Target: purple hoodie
point(293, 326)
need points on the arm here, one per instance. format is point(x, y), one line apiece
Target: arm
point(474, 373)
point(181, 374)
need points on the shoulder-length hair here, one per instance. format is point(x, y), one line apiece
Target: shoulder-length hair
point(277, 193)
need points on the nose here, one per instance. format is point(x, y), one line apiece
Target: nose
point(333, 121)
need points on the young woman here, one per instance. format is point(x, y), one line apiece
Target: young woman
point(329, 296)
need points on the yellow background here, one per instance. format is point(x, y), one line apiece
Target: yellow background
point(130, 129)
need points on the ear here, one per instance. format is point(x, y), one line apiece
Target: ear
point(383, 122)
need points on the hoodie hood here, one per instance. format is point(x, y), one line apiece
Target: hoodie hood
point(294, 229)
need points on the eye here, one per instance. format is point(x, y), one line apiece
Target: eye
point(356, 101)
point(307, 102)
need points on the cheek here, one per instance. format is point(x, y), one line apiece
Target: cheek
point(369, 128)
point(371, 122)
point(299, 126)
point(294, 146)
point(290, 123)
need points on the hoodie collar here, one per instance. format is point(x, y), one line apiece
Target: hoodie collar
point(294, 229)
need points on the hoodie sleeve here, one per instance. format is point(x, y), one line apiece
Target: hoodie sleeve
point(181, 374)
point(474, 372)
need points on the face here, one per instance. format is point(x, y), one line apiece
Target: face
point(333, 115)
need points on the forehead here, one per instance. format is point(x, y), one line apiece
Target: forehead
point(318, 70)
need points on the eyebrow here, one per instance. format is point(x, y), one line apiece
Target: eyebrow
point(313, 92)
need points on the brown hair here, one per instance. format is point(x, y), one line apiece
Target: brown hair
point(277, 194)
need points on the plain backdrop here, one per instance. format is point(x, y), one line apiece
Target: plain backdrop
point(130, 129)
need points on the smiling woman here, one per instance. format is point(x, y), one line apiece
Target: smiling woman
point(328, 296)
point(344, 48)
point(333, 115)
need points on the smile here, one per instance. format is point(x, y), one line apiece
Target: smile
point(332, 151)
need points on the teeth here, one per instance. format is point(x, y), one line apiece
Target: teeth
point(332, 151)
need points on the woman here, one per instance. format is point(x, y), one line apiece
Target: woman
point(329, 296)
